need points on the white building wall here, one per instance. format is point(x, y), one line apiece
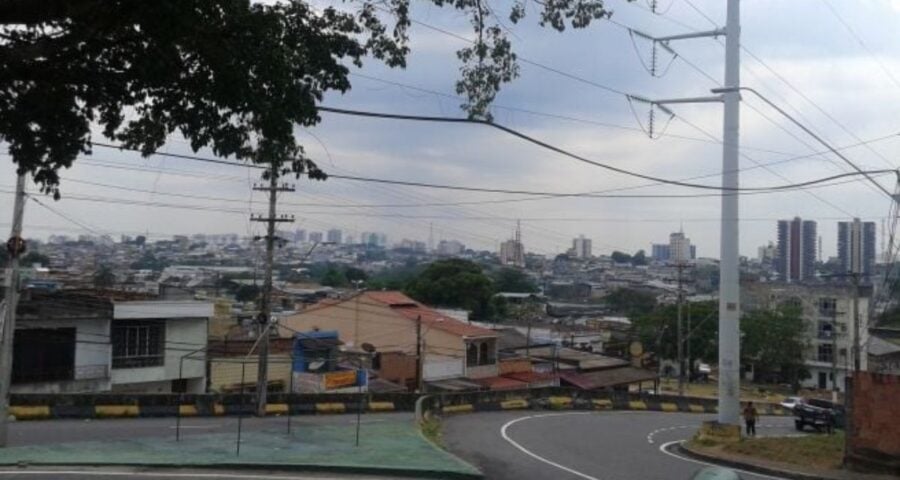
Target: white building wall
point(186, 332)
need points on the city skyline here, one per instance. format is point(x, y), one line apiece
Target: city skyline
point(473, 156)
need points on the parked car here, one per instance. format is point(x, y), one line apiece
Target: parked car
point(791, 402)
point(819, 414)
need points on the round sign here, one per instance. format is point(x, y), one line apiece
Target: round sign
point(636, 349)
point(15, 246)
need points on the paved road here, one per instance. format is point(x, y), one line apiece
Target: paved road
point(582, 445)
point(46, 432)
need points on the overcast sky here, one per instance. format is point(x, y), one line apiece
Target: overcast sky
point(815, 68)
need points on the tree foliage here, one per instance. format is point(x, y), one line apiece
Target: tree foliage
point(513, 280)
point(234, 76)
point(149, 261)
point(104, 277)
point(455, 283)
point(32, 258)
point(774, 342)
point(630, 302)
point(247, 293)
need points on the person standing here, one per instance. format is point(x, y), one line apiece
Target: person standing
point(750, 415)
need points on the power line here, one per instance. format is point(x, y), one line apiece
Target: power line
point(580, 158)
point(530, 140)
point(861, 43)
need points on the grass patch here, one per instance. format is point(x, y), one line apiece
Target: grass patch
point(822, 452)
point(432, 430)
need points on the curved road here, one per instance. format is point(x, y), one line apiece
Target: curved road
point(583, 445)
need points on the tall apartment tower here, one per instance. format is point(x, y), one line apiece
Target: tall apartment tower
point(582, 247)
point(796, 260)
point(680, 250)
point(334, 235)
point(512, 252)
point(856, 247)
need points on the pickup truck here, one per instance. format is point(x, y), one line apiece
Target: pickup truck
point(819, 414)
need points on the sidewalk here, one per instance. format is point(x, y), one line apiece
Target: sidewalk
point(389, 448)
point(780, 469)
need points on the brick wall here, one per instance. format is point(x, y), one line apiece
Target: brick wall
point(876, 421)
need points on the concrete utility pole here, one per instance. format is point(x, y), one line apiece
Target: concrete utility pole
point(265, 301)
point(680, 334)
point(420, 367)
point(11, 300)
point(729, 276)
point(729, 287)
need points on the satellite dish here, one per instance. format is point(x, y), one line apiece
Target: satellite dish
point(368, 347)
point(636, 349)
point(316, 365)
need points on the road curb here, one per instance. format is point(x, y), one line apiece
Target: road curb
point(309, 468)
point(750, 467)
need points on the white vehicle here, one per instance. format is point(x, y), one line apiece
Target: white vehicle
point(791, 402)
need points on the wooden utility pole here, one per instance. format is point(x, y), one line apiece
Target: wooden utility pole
point(265, 301)
point(419, 359)
point(15, 247)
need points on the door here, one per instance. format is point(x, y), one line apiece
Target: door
point(823, 380)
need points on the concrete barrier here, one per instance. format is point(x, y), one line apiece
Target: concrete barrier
point(36, 407)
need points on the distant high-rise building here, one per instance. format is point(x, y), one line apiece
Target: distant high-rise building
point(659, 252)
point(512, 252)
point(299, 235)
point(450, 248)
point(581, 247)
point(334, 235)
point(315, 237)
point(680, 248)
point(767, 254)
point(796, 250)
point(413, 245)
point(856, 246)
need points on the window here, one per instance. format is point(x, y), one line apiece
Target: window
point(138, 344)
point(471, 355)
point(828, 307)
point(826, 330)
point(825, 353)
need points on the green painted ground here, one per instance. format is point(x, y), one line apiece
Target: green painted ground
point(384, 447)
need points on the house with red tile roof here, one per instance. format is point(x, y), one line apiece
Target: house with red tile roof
point(392, 322)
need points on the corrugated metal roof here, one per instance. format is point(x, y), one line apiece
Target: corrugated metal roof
point(608, 378)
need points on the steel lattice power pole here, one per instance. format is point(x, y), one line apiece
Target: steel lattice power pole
point(265, 302)
point(8, 328)
point(729, 276)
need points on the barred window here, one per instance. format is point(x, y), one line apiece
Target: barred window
point(138, 344)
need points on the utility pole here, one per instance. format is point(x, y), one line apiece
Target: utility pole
point(265, 301)
point(16, 246)
point(834, 354)
point(680, 334)
point(419, 361)
point(729, 407)
point(690, 332)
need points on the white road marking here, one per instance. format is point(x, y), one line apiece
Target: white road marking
point(157, 474)
point(667, 429)
point(536, 456)
point(664, 449)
